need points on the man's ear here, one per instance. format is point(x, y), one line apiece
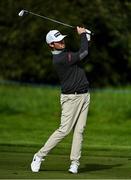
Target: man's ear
point(51, 45)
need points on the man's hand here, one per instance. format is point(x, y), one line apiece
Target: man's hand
point(80, 30)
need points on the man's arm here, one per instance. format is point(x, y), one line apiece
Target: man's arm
point(83, 51)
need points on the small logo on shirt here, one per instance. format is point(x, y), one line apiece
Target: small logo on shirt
point(69, 56)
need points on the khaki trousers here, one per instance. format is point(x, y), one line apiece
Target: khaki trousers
point(73, 116)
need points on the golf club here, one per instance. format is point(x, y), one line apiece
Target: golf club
point(25, 12)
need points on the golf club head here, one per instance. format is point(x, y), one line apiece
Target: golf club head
point(23, 12)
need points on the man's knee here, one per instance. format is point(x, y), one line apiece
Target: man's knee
point(79, 130)
point(63, 131)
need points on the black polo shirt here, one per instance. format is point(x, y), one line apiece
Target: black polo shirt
point(71, 74)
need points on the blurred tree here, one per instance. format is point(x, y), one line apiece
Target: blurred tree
point(26, 57)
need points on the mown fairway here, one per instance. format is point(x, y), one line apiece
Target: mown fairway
point(95, 163)
point(28, 115)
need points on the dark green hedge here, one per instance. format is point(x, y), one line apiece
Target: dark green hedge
point(24, 55)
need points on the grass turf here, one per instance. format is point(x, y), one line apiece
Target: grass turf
point(28, 115)
point(96, 164)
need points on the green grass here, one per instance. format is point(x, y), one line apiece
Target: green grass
point(96, 164)
point(28, 116)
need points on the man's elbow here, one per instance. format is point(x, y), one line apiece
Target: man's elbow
point(83, 54)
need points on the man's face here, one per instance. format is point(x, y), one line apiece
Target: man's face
point(58, 45)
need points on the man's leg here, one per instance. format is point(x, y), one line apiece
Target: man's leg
point(71, 108)
point(78, 131)
point(70, 112)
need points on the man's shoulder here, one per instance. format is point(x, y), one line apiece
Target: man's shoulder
point(61, 58)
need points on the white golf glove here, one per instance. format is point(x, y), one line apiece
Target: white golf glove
point(88, 35)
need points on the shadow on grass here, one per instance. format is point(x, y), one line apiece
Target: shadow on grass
point(97, 167)
point(87, 168)
point(10, 110)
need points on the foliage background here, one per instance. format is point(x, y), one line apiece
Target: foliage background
point(25, 56)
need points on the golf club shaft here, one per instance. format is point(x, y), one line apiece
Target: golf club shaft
point(50, 19)
point(53, 20)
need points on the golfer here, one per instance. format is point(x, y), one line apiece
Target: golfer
point(75, 97)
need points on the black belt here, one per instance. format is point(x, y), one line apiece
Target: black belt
point(76, 92)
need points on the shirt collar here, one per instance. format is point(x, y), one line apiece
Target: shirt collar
point(55, 52)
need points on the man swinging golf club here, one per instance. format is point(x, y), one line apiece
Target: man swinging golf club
point(75, 97)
